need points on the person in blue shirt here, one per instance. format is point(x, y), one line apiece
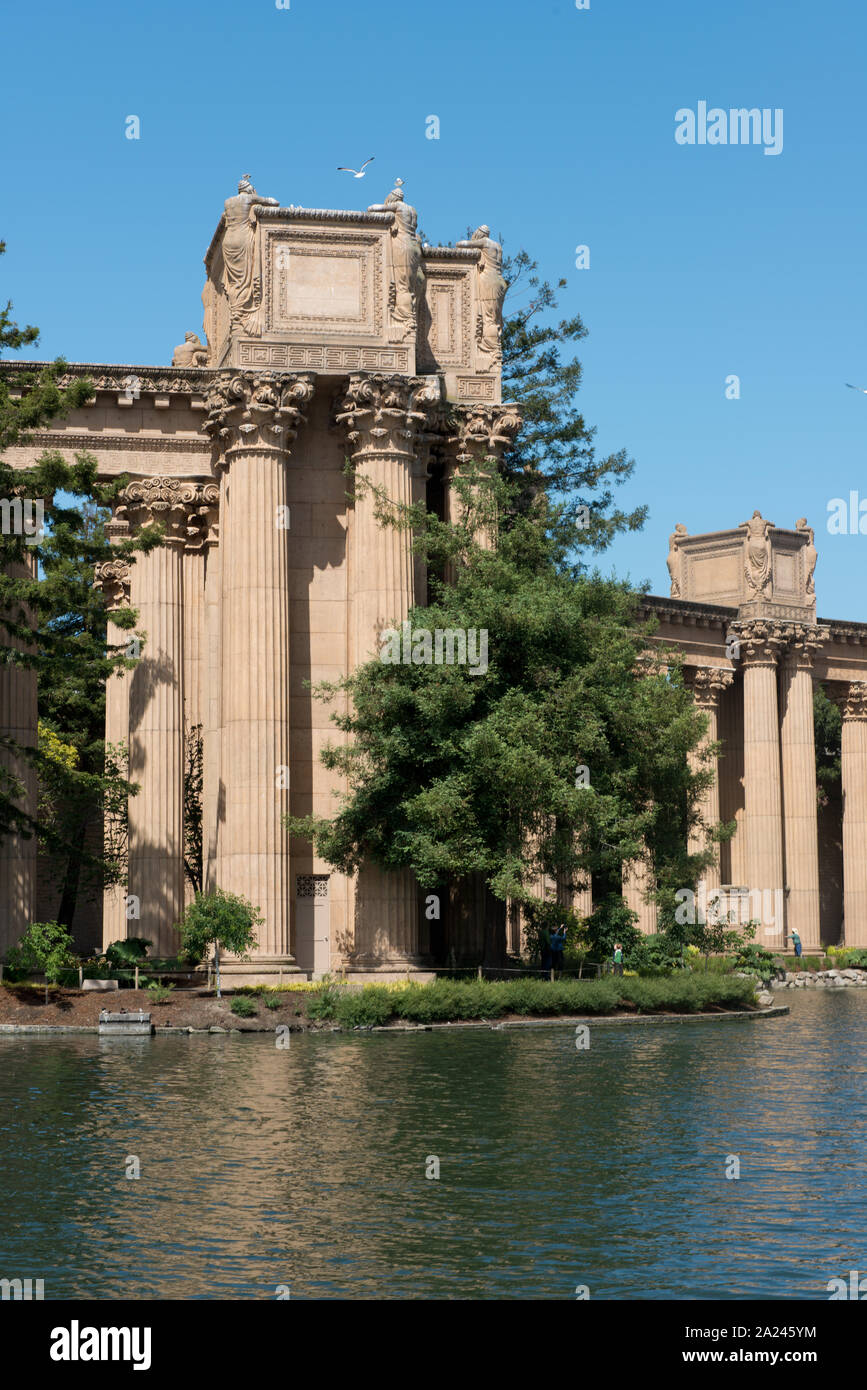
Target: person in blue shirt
point(558, 946)
point(796, 942)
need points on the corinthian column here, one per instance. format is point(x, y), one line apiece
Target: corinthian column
point(853, 705)
point(253, 419)
point(18, 720)
point(384, 418)
point(113, 577)
point(708, 684)
point(481, 436)
point(211, 762)
point(800, 820)
point(156, 715)
point(760, 645)
point(196, 641)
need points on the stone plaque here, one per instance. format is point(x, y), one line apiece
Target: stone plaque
point(785, 573)
point(325, 284)
point(712, 576)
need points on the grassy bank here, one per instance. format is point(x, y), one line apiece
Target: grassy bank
point(445, 1001)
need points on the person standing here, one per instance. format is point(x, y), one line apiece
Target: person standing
point(618, 958)
point(796, 942)
point(558, 946)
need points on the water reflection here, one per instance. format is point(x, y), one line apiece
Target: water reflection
point(306, 1166)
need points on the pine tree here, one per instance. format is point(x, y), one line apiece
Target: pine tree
point(53, 622)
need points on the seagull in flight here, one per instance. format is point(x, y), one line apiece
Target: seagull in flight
point(356, 173)
point(856, 388)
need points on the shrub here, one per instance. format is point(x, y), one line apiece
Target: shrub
point(132, 951)
point(45, 947)
point(160, 993)
point(368, 1008)
point(324, 1003)
point(273, 1001)
point(243, 1006)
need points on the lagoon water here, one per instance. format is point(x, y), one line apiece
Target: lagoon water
point(305, 1167)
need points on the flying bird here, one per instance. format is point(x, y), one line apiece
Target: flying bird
point(856, 388)
point(356, 173)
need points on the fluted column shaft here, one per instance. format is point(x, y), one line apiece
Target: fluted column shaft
point(636, 883)
point(384, 419)
point(156, 814)
point(854, 778)
point(211, 760)
point(18, 719)
point(762, 782)
point(254, 746)
point(800, 810)
point(113, 576)
point(253, 418)
point(708, 684)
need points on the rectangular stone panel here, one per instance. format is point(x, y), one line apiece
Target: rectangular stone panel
point(713, 576)
point(325, 283)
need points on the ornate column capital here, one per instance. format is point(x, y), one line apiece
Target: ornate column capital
point(707, 684)
point(172, 502)
point(760, 643)
point(112, 576)
point(203, 518)
point(851, 700)
point(805, 644)
point(256, 410)
point(482, 433)
point(388, 414)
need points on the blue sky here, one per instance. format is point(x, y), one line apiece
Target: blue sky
point(557, 128)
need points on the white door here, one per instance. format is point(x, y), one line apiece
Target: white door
point(312, 923)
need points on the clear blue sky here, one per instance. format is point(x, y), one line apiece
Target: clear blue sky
point(557, 128)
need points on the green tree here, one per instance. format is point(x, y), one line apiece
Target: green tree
point(828, 724)
point(53, 622)
point(453, 771)
point(45, 948)
point(219, 919)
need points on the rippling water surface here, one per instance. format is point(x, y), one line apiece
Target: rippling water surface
point(306, 1166)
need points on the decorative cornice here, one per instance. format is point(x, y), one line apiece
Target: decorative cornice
point(387, 414)
point(130, 443)
point(256, 410)
point(160, 381)
point(686, 610)
point(451, 253)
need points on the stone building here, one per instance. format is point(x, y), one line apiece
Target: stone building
point(335, 342)
point(742, 614)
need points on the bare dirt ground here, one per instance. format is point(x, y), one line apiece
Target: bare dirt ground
point(186, 1009)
